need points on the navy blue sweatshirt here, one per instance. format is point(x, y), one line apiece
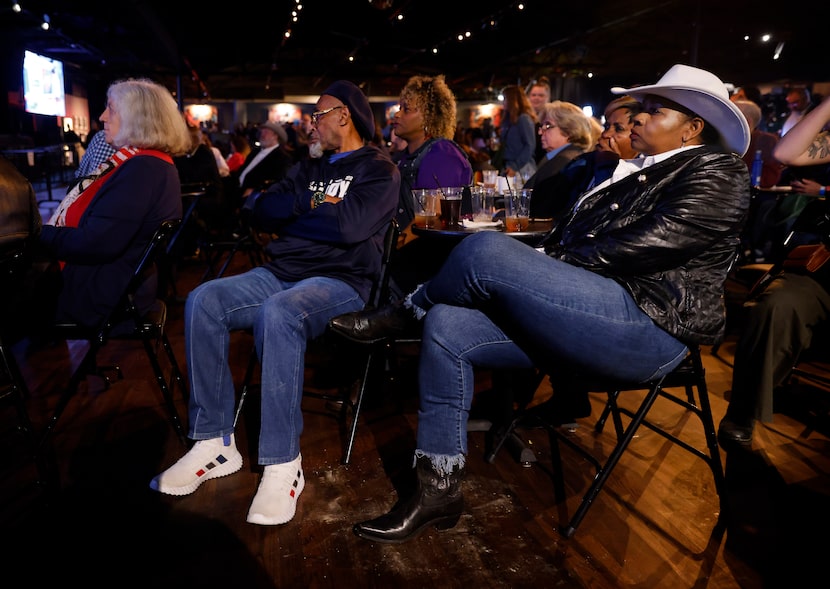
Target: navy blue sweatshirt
point(341, 240)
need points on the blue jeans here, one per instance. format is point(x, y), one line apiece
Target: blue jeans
point(499, 303)
point(283, 317)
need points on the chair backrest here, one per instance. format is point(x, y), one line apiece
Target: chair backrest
point(156, 247)
point(380, 290)
point(191, 195)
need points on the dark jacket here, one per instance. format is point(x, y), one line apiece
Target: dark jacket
point(669, 235)
point(102, 252)
point(19, 215)
point(342, 240)
point(550, 167)
point(271, 169)
point(553, 196)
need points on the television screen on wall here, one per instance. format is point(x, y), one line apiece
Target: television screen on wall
point(43, 87)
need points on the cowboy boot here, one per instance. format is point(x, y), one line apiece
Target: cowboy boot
point(373, 325)
point(438, 501)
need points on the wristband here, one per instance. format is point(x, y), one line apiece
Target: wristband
point(822, 191)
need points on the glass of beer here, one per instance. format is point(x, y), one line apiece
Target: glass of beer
point(517, 209)
point(451, 206)
point(425, 201)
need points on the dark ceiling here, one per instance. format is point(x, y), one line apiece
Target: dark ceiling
point(238, 50)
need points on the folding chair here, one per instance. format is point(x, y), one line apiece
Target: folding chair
point(343, 398)
point(689, 375)
point(126, 322)
point(168, 262)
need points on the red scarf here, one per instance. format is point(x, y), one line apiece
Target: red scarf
point(77, 208)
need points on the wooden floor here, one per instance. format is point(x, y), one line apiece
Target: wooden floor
point(654, 525)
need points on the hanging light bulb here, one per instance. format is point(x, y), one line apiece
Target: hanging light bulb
point(45, 24)
point(16, 7)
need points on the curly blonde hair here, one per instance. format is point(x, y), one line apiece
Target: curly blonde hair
point(435, 100)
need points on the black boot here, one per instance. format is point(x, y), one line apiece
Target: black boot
point(438, 501)
point(372, 326)
point(735, 432)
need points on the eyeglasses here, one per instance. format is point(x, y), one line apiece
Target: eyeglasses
point(318, 114)
point(548, 126)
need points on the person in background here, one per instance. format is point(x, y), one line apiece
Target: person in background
point(553, 197)
point(630, 278)
point(798, 102)
point(330, 216)
point(397, 146)
point(97, 152)
point(761, 140)
point(212, 212)
point(751, 93)
point(102, 227)
point(198, 165)
point(240, 148)
point(426, 121)
point(565, 133)
point(792, 308)
point(221, 162)
point(616, 130)
point(596, 129)
point(757, 233)
point(268, 163)
point(518, 133)
point(539, 95)
point(302, 130)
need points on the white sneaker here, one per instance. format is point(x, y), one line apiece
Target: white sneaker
point(276, 499)
point(207, 459)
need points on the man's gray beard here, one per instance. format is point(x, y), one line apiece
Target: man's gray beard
point(315, 150)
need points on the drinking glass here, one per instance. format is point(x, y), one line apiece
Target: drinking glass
point(490, 178)
point(482, 200)
point(426, 207)
point(451, 206)
point(517, 209)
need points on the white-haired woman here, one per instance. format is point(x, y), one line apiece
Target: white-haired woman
point(101, 227)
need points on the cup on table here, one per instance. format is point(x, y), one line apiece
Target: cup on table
point(425, 201)
point(517, 209)
point(451, 206)
point(490, 178)
point(483, 203)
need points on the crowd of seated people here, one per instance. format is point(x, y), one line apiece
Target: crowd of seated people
point(579, 163)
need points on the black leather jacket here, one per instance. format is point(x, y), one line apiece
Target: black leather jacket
point(19, 215)
point(669, 235)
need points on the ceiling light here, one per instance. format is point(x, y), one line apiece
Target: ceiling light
point(778, 50)
point(45, 24)
point(16, 7)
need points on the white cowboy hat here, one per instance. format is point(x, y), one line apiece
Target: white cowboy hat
point(704, 94)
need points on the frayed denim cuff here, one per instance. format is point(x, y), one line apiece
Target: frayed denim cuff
point(419, 312)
